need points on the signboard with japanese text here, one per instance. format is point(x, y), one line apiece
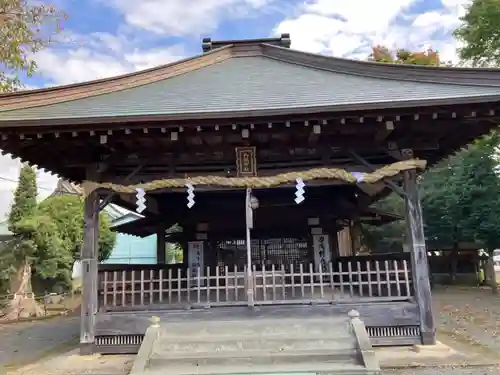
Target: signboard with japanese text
point(195, 259)
point(321, 245)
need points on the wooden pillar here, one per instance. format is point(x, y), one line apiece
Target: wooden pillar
point(419, 262)
point(334, 242)
point(345, 241)
point(89, 260)
point(355, 232)
point(161, 250)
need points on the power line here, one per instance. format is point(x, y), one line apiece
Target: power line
point(16, 182)
point(41, 187)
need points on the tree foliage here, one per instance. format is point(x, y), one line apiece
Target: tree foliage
point(49, 235)
point(383, 54)
point(25, 28)
point(66, 212)
point(460, 196)
point(480, 34)
point(390, 237)
point(16, 257)
point(460, 202)
point(22, 248)
point(24, 204)
point(174, 253)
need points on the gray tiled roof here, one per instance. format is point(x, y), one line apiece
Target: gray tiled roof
point(251, 83)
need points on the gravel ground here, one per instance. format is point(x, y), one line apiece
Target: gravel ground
point(469, 315)
point(469, 320)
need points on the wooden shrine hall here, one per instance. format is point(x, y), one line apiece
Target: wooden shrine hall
point(266, 159)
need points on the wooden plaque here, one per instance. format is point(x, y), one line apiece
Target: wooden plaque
point(246, 162)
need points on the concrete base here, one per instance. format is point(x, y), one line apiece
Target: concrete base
point(429, 338)
point(439, 349)
point(418, 355)
point(87, 348)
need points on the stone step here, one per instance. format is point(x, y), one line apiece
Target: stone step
point(169, 347)
point(242, 368)
point(267, 327)
point(249, 358)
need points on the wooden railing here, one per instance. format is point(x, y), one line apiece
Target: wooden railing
point(353, 278)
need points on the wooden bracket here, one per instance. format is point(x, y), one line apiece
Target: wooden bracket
point(386, 181)
point(111, 195)
point(384, 132)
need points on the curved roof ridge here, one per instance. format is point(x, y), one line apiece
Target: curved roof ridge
point(57, 94)
point(489, 77)
point(112, 78)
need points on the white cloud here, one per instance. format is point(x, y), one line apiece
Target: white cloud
point(145, 59)
point(342, 27)
point(351, 28)
point(180, 17)
point(361, 16)
point(77, 65)
point(78, 58)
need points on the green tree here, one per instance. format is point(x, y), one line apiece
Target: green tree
point(17, 256)
point(390, 237)
point(24, 204)
point(26, 27)
point(66, 211)
point(480, 34)
point(174, 253)
point(383, 54)
point(462, 196)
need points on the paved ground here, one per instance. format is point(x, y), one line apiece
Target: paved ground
point(447, 371)
point(22, 343)
point(468, 319)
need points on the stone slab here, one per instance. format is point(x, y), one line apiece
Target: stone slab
point(411, 356)
point(267, 341)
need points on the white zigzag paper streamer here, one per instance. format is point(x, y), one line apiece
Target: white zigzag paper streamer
point(190, 197)
point(140, 200)
point(299, 194)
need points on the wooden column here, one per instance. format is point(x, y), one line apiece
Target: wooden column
point(161, 250)
point(334, 242)
point(355, 232)
point(89, 260)
point(345, 241)
point(420, 268)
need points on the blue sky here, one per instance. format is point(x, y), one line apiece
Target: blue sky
point(104, 38)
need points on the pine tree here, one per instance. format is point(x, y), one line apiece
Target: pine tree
point(24, 204)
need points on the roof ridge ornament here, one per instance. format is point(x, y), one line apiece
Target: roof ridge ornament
point(207, 44)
